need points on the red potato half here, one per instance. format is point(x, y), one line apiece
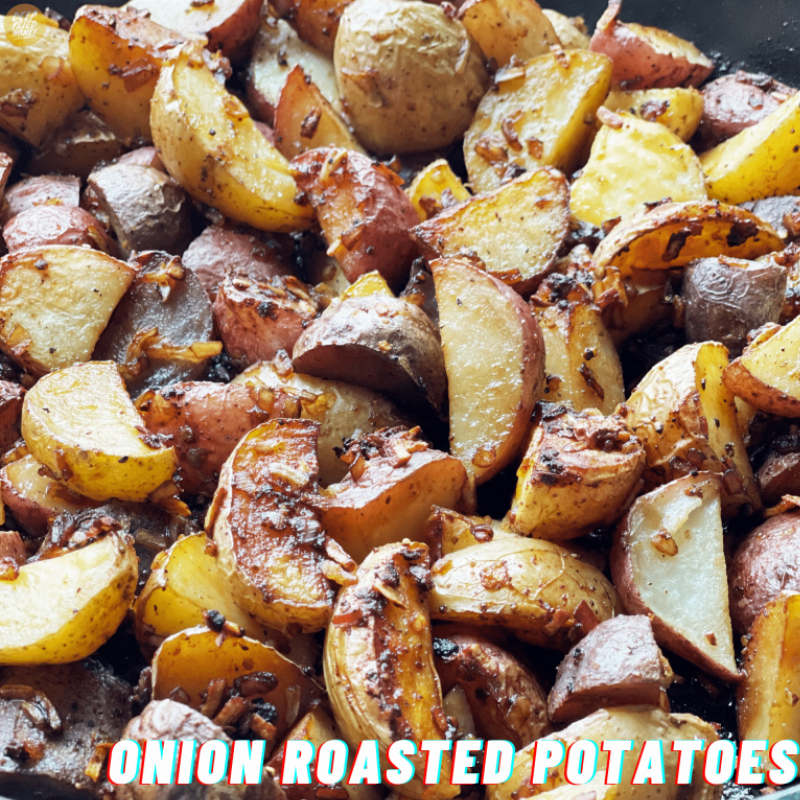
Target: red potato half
point(45, 225)
point(40, 190)
point(646, 58)
point(493, 377)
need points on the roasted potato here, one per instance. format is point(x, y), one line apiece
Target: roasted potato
point(362, 211)
point(38, 89)
point(726, 298)
point(783, 213)
point(618, 663)
point(46, 225)
point(79, 422)
point(394, 481)
point(571, 31)
point(678, 109)
point(283, 574)
point(234, 169)
point(504, 697)
point(378, 660)
point(380, 343)
point(492, 382)
point(449, 530)
point(536, 117)
point(410, 76)
point(765, 563)
point(645, 57)
point(11, 396)
point(649, 299)
point(515, 232)
point(435, 188)
point(490, 585)
point(40, 190)
point(143, 157)
point(43, 289)
point(581, 471)
point(676, 531)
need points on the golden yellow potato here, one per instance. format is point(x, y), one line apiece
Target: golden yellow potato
point(436, 188)
point(678, 109)
point(80, 423)
point(571, 31)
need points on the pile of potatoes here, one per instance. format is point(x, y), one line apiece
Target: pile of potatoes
point(378, 369)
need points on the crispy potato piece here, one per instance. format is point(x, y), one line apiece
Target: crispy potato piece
point(571, 31)
point(492, 380)
point(11, 396)
point(281, 573)
point(388, 494)
point(685, 416)
point(765, 376)
point(304, 119)
point(766, 562)
point(236, 169)
point(383, 620)
point(362, 210)
point(450, 531)
point(514, 232)
point(629, 723)
point(435, 188)
point(509, 28)
point(380, 343)
point(766, 707)
point(618, 663)
point(674, 234)
point(80, 423)
point(726, 298)
point(504, 697)
point(40, 190)
point(645, 57)
point(649, 300)
point(370, 283)
point(581, 361)
point(614, 183)
point(581, 472)
point(678, 109)
point(758, 162)
point(190, 660)
point(45, 291)
point(318, 21)
point(668, 544)
point(783, 213)
point(38, 91)
point(537, 117)
point(61, 609)
point(778, 475)
point(46, 225)
point(490, 584)
point(343, 411)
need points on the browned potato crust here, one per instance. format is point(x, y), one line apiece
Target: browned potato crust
point(618, 663)
point(318, 21)
point(56, 224)
point(11, 397)
point(40, 190)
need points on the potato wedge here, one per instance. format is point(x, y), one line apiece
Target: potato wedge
point(581, 471)
point(493, 379)
point(646, 57)
point(649, 295)
point(394, 481)
point(435, 188)
point(80, 423)
point(343, 411)
point(490, 584)
point(62, 609)
point(383, 620)
point(628, 723)
point(668, 544)
point(514, 232)
point(678, 109)
point(509, 28)
point(537, 117)
point(43, 292)
point(571, 31)
point(614, 182)
point(38, 91)
point(235, 169)
point(758, 162)
point(270, 544)
point(674, 234)
point(380, 343)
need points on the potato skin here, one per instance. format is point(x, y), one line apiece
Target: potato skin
point(410, 76)
point(45, 225)
point(39, 190)
point(11, 399)
point(766, 563)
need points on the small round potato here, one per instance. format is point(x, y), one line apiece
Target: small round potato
point(410, 76)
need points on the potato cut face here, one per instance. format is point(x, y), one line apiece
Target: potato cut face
point(571, 31)
point(62, 609)
point(55, 302)
point(537, 117)
point(80, 423)
point(515, 231)
point(436, 188)
point(493, 379)
point(678, 109)
point(761, 161)
point(634, 162)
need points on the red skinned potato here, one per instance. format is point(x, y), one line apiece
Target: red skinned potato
point(766, 563)
point(11, 396)
point(779, 474)
point(143, 157)
point(618, 663)
point(257, 319)
point(362, 211)
point(317, 21)
point(56, 224)
point(39, 190)
point(646, 58)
